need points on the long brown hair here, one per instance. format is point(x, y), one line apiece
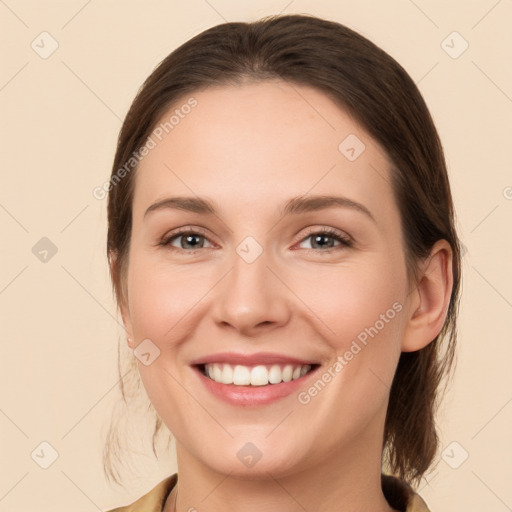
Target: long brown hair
point(369, 84)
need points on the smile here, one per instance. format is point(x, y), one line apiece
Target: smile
point(260, 375)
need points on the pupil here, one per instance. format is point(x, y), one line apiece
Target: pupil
point(190, 238)
point(319, 238)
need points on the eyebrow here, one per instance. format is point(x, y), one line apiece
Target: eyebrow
point(295, 205)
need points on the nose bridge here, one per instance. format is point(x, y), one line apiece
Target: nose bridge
point(251, 296)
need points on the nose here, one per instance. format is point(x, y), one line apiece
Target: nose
point(252, 298)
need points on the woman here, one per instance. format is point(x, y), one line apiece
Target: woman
point(283, 252)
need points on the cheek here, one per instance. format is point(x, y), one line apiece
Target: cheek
point(361, 310)
point(351, 300)
point(161, 298)
point(161, 302)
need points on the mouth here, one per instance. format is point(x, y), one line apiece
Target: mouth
point(255, 383)
point(243, 379)
point(255, 375)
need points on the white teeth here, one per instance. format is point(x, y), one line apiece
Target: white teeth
point(226, 376)
point(274, 375)
point(260, 375)
point(287, 373)
point(241, 375)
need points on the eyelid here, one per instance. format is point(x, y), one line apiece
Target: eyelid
point(184, 230)
point(327, 230)
point(344, 238)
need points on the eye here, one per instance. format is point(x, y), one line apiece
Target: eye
point(327, 239)
point(186, 240)
point(190, 240)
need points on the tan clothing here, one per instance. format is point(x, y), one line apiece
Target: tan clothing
point(398, 494)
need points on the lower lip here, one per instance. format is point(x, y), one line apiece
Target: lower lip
point(253, 395)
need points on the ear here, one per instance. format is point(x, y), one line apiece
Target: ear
point(122, 298)
point(125, 313)
point(429, 300)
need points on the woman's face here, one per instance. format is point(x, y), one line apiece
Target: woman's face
point(257, 289)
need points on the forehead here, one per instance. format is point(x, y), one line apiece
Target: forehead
point(261, 141)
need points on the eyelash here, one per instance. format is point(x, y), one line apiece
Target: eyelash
point(345, 240)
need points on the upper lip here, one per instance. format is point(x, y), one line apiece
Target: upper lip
point(250, 359)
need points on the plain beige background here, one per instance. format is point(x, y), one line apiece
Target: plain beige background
point(60, 115)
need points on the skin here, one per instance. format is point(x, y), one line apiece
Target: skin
point(249, 148)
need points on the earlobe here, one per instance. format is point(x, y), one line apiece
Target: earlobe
point(429, 301)
point(125, 314)
point(128, 327)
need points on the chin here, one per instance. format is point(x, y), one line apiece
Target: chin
point(253, 461)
